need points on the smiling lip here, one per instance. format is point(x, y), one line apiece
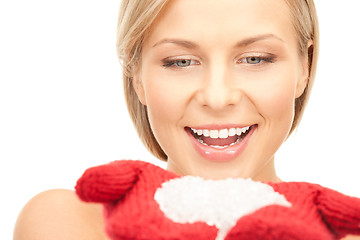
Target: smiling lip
point(224, 154)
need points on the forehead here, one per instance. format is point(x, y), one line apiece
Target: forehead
point(223, 22)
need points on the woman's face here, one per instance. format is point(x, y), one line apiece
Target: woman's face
point(219, 79)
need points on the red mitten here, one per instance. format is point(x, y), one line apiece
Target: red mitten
point(145, 202)
point(316, 213)
point(341, 213)
point(108, 183)
point(127, 189)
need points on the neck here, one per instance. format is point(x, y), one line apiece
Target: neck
point(267, 173)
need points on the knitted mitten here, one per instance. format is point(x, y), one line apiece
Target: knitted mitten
point(316, 213)
point(135, 207)
point(127, 189)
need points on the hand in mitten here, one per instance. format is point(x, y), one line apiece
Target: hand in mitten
point(127, 189)
point(316, 213)
point(143, 201)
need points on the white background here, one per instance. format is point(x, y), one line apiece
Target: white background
point(62, 108)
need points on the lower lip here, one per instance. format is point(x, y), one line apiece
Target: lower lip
point(221, 155)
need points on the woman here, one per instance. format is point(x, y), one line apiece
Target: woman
point(213, 87)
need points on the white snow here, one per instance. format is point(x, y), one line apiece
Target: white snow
point(218, 203)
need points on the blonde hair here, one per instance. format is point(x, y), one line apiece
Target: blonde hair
point(306, 25)
point(137, 16)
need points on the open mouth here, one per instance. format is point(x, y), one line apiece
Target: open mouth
point(220, 138)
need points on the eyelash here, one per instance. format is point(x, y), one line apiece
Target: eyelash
point(172, 63)
point(167, 63)
point(262, 60)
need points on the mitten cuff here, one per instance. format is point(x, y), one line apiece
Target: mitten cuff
point(108, 182)
point(341, 212)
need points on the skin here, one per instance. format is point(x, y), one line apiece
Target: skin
point(216, 89)
point(59, 214)
point(219, 86)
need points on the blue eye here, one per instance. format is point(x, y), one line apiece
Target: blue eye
point(253, 60)
point(181, 63)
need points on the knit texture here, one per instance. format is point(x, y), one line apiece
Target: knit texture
point(127, 189)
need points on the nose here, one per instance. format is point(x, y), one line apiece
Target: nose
point(219, 89)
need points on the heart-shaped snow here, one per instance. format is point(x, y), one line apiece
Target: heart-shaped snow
point(218, 203)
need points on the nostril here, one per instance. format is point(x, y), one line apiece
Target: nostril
point(220, 99)
point(218, 90)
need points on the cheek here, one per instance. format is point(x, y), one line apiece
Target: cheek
point(166, 99)
point(278, 102)
point(164, 103)
point(275, 98)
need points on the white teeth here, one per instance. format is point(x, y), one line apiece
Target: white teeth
point(222, 133)
point(218, 147)
point(214, 133)
point(232, 132)
point(206, 133)
point(238, 131)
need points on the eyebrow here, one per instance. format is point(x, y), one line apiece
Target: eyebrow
point(251, 40)
point(183, 43)
point(241, 43)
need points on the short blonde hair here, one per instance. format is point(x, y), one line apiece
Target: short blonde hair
point(137, 16)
